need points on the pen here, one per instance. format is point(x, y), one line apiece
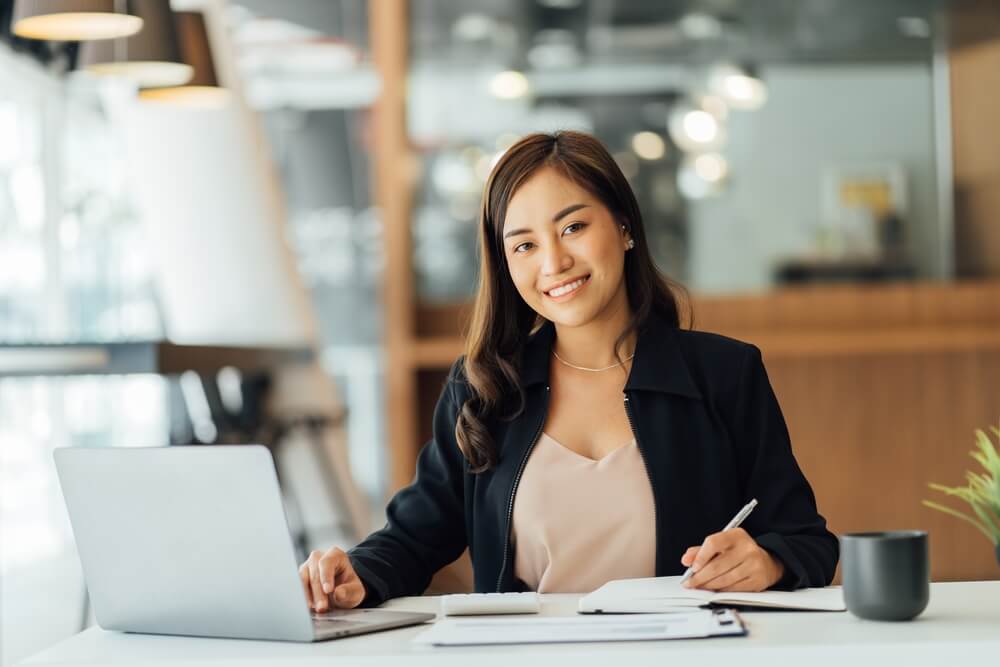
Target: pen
point(736, 521)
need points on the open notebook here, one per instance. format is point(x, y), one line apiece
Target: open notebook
point(665, 594)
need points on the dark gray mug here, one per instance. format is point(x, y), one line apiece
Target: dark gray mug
point(886, 575)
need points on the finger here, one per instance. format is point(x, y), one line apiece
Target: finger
point(306, 585)
point(713, 545)
point(728, 578)
point(349, 595)
point(329, 565)
point(722, 563)
point(320, 600)
point(746, 585)
point(689, 556)
point(719, 566)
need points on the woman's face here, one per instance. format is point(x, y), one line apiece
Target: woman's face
point(565, 250)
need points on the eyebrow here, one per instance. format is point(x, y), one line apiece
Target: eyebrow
point(556, 218)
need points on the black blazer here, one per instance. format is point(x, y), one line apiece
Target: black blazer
point(710, 432)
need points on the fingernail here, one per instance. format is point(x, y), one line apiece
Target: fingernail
point(327, 587)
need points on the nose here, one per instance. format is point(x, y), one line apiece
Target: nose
point(555, 259)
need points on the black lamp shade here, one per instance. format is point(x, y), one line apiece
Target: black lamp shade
point(152, 57)
point(196, 51)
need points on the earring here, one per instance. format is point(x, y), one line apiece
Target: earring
point(631, 244)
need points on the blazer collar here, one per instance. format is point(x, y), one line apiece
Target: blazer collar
point(659, 364)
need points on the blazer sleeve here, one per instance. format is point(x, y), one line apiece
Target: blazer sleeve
point(785, 522)
point(425, 522)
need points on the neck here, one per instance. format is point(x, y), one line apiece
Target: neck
point(593, 344)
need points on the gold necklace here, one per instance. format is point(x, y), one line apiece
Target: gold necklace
point(591, 370)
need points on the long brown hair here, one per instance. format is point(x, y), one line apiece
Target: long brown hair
point(501, 321)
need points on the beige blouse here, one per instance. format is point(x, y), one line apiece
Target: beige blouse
point(579, 523)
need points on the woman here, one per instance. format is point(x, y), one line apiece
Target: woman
point(584, 436)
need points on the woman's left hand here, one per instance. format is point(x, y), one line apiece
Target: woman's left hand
point(732, 561)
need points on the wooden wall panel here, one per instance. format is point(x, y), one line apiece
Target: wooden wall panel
point(871, 433)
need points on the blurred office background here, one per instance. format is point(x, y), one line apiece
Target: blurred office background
point(284, 252)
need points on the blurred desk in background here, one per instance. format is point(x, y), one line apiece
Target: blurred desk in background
point(159, 357)
point(813, 271)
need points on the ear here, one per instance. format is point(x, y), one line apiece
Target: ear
point(627, 237)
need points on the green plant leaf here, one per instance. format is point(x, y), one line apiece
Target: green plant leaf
point(964, 517)
point(982, 490)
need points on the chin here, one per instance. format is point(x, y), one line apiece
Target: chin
point(569, 319)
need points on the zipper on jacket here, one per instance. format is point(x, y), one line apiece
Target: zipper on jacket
point(513, 490)
point(631, 425)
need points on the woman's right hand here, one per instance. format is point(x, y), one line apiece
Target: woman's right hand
point(330, 581)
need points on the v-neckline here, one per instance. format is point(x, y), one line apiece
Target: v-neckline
point(587, 458)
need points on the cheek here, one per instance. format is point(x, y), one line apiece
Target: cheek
point(523, 279)
point(606, 256)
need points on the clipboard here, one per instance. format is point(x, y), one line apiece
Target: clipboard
point(697, 624)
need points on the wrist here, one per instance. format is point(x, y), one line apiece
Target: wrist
point(777, 569)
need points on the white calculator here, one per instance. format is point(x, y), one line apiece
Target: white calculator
point(470, 604)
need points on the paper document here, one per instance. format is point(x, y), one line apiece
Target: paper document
point(665, 594)
point(542, 630)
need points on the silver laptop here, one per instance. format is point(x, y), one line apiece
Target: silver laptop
point(194, 541)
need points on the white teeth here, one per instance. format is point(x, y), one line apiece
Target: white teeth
point(566, 289)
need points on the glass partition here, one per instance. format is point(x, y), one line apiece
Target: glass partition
point(768, 143)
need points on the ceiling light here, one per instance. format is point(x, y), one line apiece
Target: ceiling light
point(196, 50)
point(739, 87)
point(702, 176)
point(914, 26)
point(699, 25)
point(72, 20)
point(473, 27)
point(701, 126)
point(648, 145)
point(206, 97)
point(694, 129)
point(151, 58)
point(509, 85)
point(711, 167)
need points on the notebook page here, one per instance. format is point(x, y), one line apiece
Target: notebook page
point(644, 594)
point(666, 594)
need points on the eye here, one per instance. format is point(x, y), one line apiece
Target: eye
point(573, 228)
point(523, 247)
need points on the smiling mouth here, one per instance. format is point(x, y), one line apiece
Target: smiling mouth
point(568, 288)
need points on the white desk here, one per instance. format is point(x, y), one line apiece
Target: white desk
point(962, 622)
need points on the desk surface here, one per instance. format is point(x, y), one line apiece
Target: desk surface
point(961, 622)
point(162, 357)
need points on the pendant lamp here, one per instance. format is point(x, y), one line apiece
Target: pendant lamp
point(73, 20)
point(151, 58)
point(196, 51)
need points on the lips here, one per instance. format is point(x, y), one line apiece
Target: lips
point(567, 288)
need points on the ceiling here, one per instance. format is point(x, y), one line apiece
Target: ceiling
point(645, 31)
